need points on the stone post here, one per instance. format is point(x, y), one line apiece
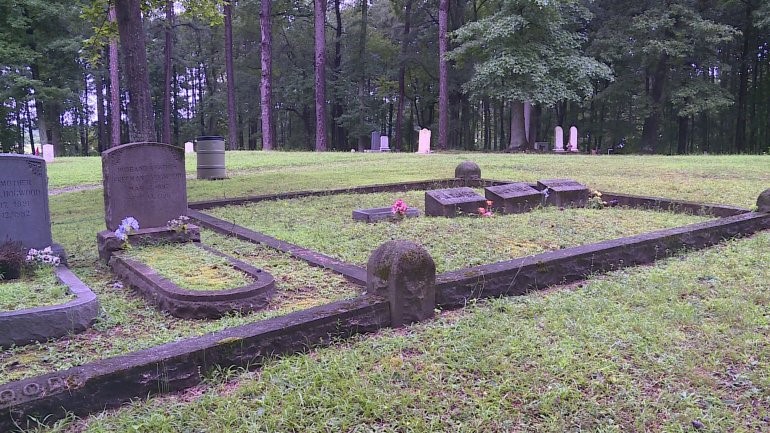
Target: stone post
point(403, 273)
point(763, 201)
point(467, 170)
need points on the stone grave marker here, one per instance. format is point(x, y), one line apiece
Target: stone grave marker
point(423, 147)
point(375, 141)
point(24, 212)
point(564, 192)
point(558, 139)
point(48, 152)
point(384, 144)
point(517, 197)
point(573, 139)
point(189, 147)
point(449, 202)
point(145, 181)
point(467, 170)
point(373, 215)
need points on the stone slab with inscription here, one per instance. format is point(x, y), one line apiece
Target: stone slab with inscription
point(453, 201)
point(381, 213)
point(516, 197)
point(145, 181)
point(564, 192)
point(24, 214)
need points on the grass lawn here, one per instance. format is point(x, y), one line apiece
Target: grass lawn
point(683, 345)
point(38, 290)
point(325, 224)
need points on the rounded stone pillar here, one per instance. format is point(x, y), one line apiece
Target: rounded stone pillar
point(403, 273)
point(468, 170)
point(763, 201)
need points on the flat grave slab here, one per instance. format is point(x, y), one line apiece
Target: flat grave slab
point(564, 192)
point(516, 197)
point(452, 201)
point(381, 213)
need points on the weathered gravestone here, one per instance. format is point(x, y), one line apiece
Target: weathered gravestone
point(449, 202)
point(384, 144)
point(48, 152)
point(373, 215)
point(145, 181)
point(24, 212)
point(558, 139)
point(468, 170)
point(573, 139)
point(564, 192)
point(517, 197)
point(375, 141)
point(423, 147)
point(763, 201)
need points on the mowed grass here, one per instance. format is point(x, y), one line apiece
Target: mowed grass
point(325, 224)
point(37, 289)
point(682, 346)
point(190, 267)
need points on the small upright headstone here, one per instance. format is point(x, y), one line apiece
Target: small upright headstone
point(48, 152)
point(558, 139)
point(564, 192)
point(763, 201)
point(404, 273)
point(517, 197)
point(384, 144)
point(24, 212)
point(452, 201)
point(375, 141)
point(467, 170)
point(145, 181)
point(573, 139)
point(189, 147)
point(423, 146)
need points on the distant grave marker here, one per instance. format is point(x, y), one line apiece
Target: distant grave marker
point(48, 152)
point(517, 197)
point(449, 202)
point(423, 146)
point(375, 141)
point(384, 144)
point(145, 181)
point(558, 139)
point(573, 139)
point(564, 192)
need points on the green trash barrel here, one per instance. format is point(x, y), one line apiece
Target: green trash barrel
point(211, 157)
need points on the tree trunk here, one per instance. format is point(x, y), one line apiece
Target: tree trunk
point(739, 144)
point(232, 119)
point(320, 75)
point(266, 75)
point(114, 90)
point(100, 118)
point(652, 122)
point(402, 75)
point(29, 127)
point(363, 139)
point(443, 75)
point(167, 72)
point(518, 131)
point(141, 126)
point(338, 132)
point(681, 144)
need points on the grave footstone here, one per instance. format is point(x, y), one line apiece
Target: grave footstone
point(24, 212)
point(375, 141)
point(453, 201)
point(573, 139)
point(564, 192)
point(145, 181)
point(517, 197)
point(48, 152)
point(558, 139)
point(423, 146)
point(384, 144)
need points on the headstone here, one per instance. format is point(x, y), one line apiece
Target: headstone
point(48, 152)
point(145, 181)
point(517, 197)
point(24, 212)
point(449, 202)
point(467, 170)
point(404, 273)
point(564, 192)
point(375, 141)
point(381, 213)
point(384, 144)
point(189, 147)
point(573, 139)
point(763, 201)
point(423, 146)
point(558, 139)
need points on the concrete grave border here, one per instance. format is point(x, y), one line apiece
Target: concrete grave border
point(42, 323)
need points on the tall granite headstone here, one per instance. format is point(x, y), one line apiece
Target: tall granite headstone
point(145, 181)
point(517, 197)
point(449, 202)
point(24, 214)
point(564, 192)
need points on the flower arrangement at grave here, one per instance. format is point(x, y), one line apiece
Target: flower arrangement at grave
point(179, 224)
point(595, 201)
point(44, 257)
point(11, 260)
point(127, 226)
point(486, 211)
point(399, 209)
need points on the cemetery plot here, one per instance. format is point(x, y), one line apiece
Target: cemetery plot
point(324, 224)
point(131, 323)
point(29, 292)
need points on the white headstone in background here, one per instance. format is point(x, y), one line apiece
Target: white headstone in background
point(573, 139)
point(189, 147)
point(558, 139)
point(423, 147)
point(48, 153)
point(384, 147)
